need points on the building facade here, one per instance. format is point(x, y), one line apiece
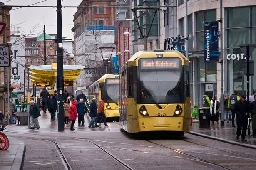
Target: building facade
point(94, 39)
point(5, 72)
point(238, 27)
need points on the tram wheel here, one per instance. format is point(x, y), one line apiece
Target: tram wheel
point(4, 142)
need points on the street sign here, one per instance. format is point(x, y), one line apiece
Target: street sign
point(4, 56)
point(2, 27)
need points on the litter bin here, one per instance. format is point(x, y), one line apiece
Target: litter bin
point(204, 118)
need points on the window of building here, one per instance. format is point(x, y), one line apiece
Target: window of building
point(95, 22)
point(201, 17)
point(101, 10)
point(101, 22)
point(181, 26)
point(95, 10)
point(180, 2)
point(190, 33)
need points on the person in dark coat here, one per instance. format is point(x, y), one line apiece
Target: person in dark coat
point(242, 109)
point(93, 113)
point(1, 118)
point(214, 110)
point(44, 96)
point(81, 110)
point(34, 113)
point(81, 96)
point(65, 95)
point(52, 107)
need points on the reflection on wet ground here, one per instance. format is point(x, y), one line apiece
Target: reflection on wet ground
point(227, 132)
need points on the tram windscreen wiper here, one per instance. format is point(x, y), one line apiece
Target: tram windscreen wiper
point(151, 98)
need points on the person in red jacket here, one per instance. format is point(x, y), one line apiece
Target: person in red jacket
point(73, 114)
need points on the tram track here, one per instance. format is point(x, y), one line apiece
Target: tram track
point(196, 158)
point(111, 155)
point(238, 155)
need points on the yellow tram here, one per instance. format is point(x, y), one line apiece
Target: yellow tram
point(154, 92)
point(107, 87)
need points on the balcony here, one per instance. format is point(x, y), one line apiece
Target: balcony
point(100, 27)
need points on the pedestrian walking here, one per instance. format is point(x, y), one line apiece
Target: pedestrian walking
point(81, 110)
point(227, 108)
point(233, 99)
point(101, 113)
point(44, 96)
point(81, 96)
point(52, 107)
point(253, 115)
point(1, 118)
point(73, 114)
point(214, 110)
point(242, 109)
point(34, 113)
point(93, 113)
point(66, 109)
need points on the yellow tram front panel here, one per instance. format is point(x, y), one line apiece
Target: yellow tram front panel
point(111, 110)
point(157, 119)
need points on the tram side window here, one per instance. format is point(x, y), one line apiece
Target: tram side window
point(130, 82)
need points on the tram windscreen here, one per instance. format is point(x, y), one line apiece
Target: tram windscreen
point(160, 81)
point(112, 90)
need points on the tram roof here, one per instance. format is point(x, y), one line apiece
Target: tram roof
point(147, 54)
point(46, 74)
point(103, 78)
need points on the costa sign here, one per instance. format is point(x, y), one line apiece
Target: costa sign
point(236, 57)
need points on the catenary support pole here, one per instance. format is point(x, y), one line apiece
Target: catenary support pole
point(248, 70)
point(44, 47)
point(60, 67)
point(222, 65)
point(186, 35)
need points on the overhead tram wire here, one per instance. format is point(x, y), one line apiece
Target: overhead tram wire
point(70, 6)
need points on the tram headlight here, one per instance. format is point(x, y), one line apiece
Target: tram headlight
point(178, 110)
point(108, 107)
point(143, 111)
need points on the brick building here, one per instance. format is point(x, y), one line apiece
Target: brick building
point(4, 38)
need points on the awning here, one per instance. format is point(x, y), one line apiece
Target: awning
point(45, 75)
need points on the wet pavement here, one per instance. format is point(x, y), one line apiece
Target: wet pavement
point(12, 159)
point(226, 132)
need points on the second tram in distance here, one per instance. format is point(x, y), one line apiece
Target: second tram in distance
point(107, 87)
point(154, 92)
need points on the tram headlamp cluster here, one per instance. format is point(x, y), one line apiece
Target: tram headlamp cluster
point(108, 107)
point(178, 110)
point(143, 111)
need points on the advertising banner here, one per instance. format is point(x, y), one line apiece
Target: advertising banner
point(177, 44)
point(211, 45)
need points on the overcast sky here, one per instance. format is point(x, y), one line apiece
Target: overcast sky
point(33, 19)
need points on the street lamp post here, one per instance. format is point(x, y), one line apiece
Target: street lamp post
point(60, 67)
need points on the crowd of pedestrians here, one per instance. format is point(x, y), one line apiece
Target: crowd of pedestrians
point(237, 109)
point(74, 108)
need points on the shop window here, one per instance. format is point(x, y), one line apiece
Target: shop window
point(254, 16)
point(236, 37)
point(211, 71)
point(238, 17)
point(253, 36)
point(200, 41)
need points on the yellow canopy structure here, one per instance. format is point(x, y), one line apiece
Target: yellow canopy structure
point(45, 75)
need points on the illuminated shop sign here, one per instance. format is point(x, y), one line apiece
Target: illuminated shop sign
point(159, 63)
point(236, 57)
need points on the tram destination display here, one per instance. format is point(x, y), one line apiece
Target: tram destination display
point(112, 81)
point(160, 63)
